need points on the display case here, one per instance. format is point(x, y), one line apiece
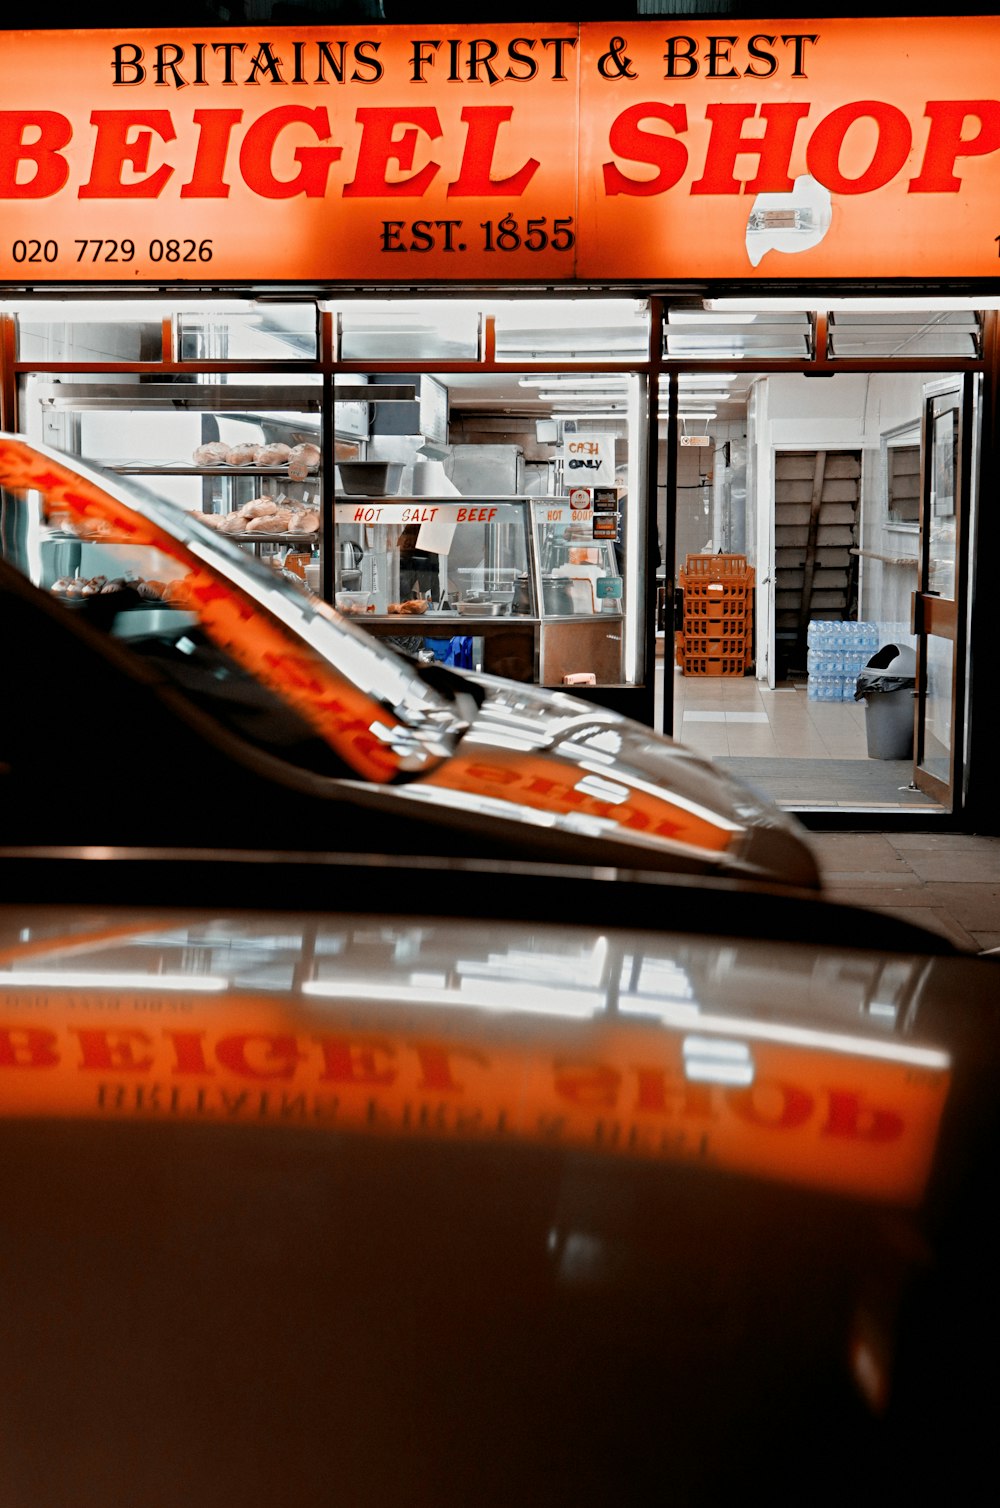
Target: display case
point(245, 458)
point(529, 588)
point(447, 578)
point(511, 586)
point(581, 589)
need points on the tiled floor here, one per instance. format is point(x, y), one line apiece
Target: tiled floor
point(740, 718)
point(947, 882)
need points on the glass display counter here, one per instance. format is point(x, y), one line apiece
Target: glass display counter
point(244, 458)
point(447, 578)
point(513, 586)
point(581, 592)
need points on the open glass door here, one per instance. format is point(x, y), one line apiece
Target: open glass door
point(939, 602)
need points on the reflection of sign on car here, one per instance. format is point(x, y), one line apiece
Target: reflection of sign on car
point(355, 723)
point(632, 1090)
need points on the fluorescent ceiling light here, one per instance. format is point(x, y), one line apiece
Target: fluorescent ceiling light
point(699, 397)
point(697, 350)
point(112, 979)
point(709, 413)
point(709, 316)
point(575, 380)
point(707, 379)
point(586, 414)
point(884, 304)
point(581, 398)
point(484, 994)
point(83, 311)
point(399, 308)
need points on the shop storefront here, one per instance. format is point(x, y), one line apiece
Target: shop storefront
point(483, 334)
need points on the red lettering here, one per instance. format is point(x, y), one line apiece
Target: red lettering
point(215, 127)
point(668, 829)
point(773, 149)
point(257, 151)
point(587, 1084)
point(435, 1066)
point(484, 121)
point(771, 1104)
point(51, 169)
point(629, 816)
point(539, 786)
point(113, 149)
point(945, 141)
point(894, 139)
point(276, 1055)
point(665, 153)
point(379, 146)
point(110, 1050)
point(27, 1047)
point(491, 774)
point(659, 1095)
point(299, 673)
point(354, 1061)
point(849, 1116)
point(189, 1052)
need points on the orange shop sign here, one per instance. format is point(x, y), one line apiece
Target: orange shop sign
point(802, 149)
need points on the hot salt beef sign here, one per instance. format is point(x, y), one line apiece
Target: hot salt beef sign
point(835, 148)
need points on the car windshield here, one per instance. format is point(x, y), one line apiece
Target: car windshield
point(261, 652)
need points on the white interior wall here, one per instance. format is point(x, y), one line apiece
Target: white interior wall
point(711, 492)
point(849, 411)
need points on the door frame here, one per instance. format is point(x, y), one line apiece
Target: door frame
point(931, 613)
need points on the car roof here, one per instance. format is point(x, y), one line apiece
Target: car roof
point(453, 1182)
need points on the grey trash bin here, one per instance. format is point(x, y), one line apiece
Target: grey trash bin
point(886, 686)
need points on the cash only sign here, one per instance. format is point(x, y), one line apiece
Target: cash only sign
point(565, 153)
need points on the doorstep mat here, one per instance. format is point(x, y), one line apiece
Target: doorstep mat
point(830, 782)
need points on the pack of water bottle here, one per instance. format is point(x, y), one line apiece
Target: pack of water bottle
point(821, 662)
point(827, 634)
point(836, 654)
point(831, 688)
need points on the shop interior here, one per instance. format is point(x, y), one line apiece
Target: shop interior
point(515, 408)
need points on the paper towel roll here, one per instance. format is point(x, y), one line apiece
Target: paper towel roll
point(430, 480)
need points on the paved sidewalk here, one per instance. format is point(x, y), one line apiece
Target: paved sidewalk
point(947, 882)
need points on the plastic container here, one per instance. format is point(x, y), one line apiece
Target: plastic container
point(355, 604)
point(717, 568)
point(723, 645)
point(886, 686)
point(720, 665)
point(718, 626)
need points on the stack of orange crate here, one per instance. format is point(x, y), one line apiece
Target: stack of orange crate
point(717, 638)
